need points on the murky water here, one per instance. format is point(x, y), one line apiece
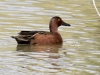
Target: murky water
point(80, 53)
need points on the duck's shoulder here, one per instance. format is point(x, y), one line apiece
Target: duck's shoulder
point(46, 35)
point(42, 34)
point(35, 34)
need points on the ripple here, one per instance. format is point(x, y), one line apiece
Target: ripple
point(80, 32)
point(5, 23)
point(79, 54)
point(78, 14)
point(19, 27)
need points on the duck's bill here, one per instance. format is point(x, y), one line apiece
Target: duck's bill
point(65, 24)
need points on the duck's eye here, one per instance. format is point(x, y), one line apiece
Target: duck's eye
point(58, 19)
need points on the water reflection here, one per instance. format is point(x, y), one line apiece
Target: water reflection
point(52, 49)
point(39, 48)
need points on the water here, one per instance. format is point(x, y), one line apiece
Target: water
point(80, 53)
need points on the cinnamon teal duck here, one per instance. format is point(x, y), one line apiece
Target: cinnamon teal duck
point(42, 37)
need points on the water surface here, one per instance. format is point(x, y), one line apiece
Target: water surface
point(80, 52)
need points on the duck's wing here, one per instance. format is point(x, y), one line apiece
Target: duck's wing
point(30, 32)
point(25, 36)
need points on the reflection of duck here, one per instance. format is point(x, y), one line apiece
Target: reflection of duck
point(42, 37)
point(50, 51)
point(39, 48)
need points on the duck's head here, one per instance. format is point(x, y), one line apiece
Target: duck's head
point(55, 22)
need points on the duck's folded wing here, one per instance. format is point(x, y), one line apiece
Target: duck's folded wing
point(30, 32)
point(25, 36)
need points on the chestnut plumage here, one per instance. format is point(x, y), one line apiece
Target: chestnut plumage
point(42, 37)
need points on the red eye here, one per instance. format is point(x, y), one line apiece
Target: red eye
point(58, 19)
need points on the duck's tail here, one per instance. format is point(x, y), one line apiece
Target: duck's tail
point(21, 40)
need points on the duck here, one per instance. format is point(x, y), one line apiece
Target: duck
point(43, 37)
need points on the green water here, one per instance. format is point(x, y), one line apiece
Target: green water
point(80, 52)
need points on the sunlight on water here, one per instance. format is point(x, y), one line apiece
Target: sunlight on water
point(80, 53)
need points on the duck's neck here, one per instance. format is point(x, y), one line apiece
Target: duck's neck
point(53, 27)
